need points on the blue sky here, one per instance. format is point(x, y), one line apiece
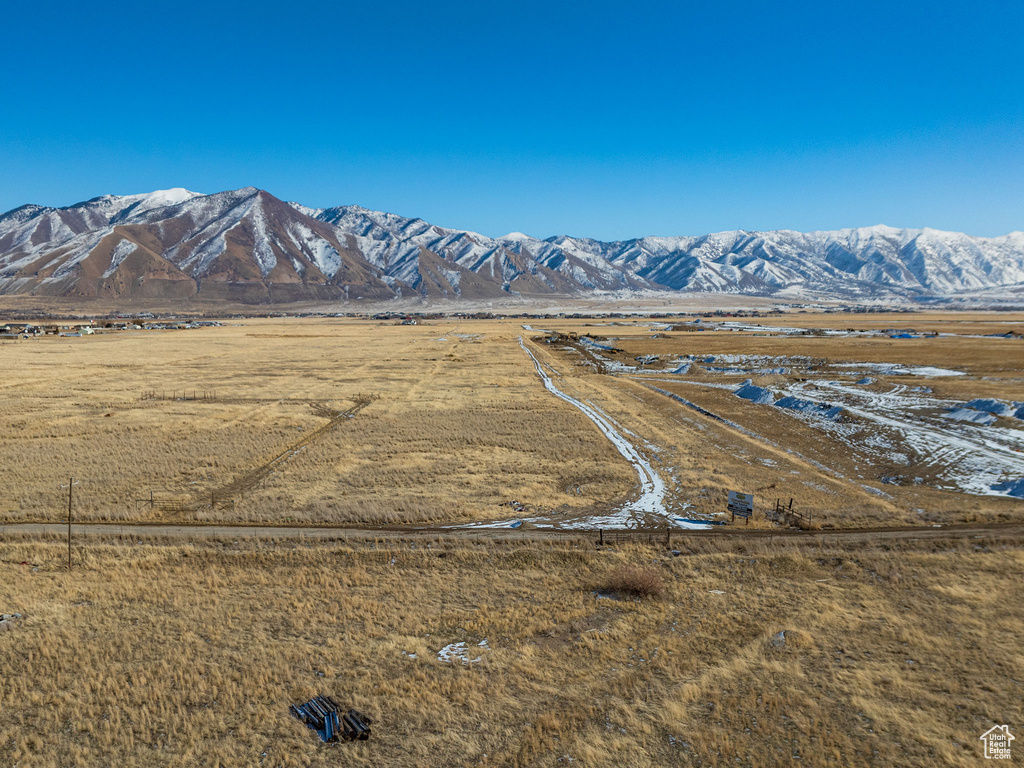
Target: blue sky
point(600, 119)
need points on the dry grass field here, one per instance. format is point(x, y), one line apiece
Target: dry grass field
point(461, 425)
point(859, 472)
point(189, 652)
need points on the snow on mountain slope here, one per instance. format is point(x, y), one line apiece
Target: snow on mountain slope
point(152, 201)
point(32, 231)
point(236, 238)
point(394, 244)
point(247, 237)
point(863, 261)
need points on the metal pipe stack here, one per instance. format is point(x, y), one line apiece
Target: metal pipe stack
point(321, 714)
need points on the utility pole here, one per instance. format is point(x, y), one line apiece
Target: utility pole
point(71, 490)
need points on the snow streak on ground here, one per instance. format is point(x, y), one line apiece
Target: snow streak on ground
point(906, 427)
point(975, 457)
point(652, 488)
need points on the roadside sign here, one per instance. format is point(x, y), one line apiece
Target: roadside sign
point(741, 504)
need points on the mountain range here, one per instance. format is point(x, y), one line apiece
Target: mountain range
point(248, 246)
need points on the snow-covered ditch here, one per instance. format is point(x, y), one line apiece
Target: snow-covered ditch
point(898, 369)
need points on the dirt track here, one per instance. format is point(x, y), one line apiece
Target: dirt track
point(1012, 529)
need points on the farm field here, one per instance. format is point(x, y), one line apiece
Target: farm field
point(330, 421)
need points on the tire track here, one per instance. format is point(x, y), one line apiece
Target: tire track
point(652, 487)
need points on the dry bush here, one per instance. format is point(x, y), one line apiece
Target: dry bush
point(771, 381)
point(808, 525)
point(636, 582)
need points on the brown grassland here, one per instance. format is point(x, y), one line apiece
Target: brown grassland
point(187, 651)
point(461, 424)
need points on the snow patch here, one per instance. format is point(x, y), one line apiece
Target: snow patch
point(1013, 488)
point(121, 251)
point(460, 652)
point(994, 406)
point(324, 255)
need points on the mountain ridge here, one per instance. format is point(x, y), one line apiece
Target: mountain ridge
point(247, 245)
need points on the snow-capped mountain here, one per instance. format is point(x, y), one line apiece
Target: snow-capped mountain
point(865, 261)
point(247, 245)
point(244, 245)
point(402, 247)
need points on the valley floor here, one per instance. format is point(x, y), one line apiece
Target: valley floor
point(332, 421)
point(436, 567)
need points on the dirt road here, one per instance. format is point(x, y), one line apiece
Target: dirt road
point(1012, 529)
point(651, 499)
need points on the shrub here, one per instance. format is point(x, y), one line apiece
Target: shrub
point(638, 582)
